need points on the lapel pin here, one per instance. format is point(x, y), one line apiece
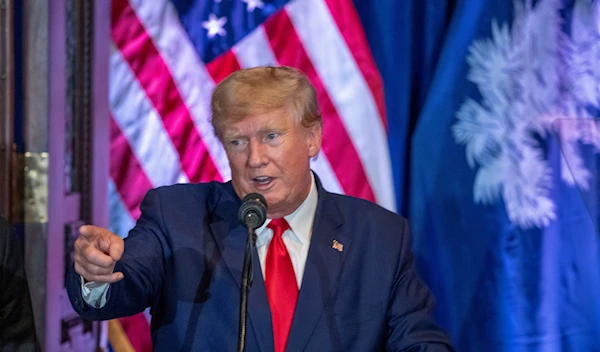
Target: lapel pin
point(337, 246)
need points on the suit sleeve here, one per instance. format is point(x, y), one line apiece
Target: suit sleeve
point(142, 265)
point(411, 326)
point(17, 330)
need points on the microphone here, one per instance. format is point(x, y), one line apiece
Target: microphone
point(253, 212)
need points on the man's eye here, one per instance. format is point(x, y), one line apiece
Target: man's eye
point(235, 142)
point(272, 136)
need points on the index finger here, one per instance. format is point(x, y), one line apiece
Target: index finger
point(89, 232)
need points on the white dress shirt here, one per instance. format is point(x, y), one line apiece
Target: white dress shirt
point(296, 240)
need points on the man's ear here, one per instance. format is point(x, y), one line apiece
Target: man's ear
point(314, 139)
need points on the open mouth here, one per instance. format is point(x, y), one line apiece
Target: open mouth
point(262, 181)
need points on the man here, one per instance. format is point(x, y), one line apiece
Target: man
point(336, 273)
point(17, 330)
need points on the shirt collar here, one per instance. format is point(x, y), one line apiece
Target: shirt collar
point(301, 220)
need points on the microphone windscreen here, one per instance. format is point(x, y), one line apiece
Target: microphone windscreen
point(253, 211)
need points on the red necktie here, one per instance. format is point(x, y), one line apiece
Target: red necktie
point(280, 281)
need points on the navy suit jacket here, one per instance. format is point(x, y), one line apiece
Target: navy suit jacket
point(184, 260)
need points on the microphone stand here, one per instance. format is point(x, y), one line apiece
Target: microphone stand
point(252, 213)
point(247, 278)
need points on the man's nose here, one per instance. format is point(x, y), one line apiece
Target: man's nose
point(258, 155)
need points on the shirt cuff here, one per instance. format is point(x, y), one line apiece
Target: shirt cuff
point(94, 293)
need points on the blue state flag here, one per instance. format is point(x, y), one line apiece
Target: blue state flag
point(502, 197)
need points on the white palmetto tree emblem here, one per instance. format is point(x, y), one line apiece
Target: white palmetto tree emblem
point(532, 75)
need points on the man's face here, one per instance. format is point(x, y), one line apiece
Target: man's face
point(270, 154)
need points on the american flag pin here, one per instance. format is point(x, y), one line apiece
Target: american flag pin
point(338, 246)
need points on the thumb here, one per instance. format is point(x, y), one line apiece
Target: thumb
point(103, 244)
point(117, 246)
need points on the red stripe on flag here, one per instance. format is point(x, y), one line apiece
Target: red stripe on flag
point(137, 329)
point(345, 16)
point(222, 66)
point(337, 145)
point(128, 175)
point(154, 76)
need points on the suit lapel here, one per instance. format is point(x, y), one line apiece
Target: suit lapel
point(231, 237)
point(326, 255)
point(229, 234)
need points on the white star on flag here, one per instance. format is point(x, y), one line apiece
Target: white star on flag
point(215, 25)
point(253, 4)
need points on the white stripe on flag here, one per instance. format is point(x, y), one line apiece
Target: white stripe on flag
point(322, 167)
point(348, 90)
point(189, 73)
point(255, 50)
point(142, 126)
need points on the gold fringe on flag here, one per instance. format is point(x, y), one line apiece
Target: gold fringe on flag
point(117, 337)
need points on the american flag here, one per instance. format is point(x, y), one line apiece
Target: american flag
point(167, 56)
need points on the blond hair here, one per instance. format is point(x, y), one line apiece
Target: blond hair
point(260, 90)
